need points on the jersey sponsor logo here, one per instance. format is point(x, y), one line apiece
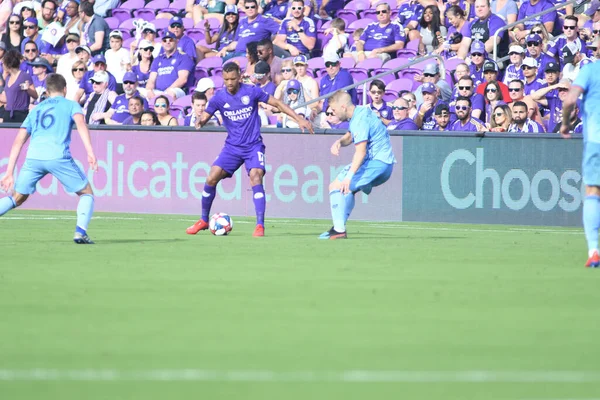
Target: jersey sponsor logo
point(388, 30)
point(255, 25)
point(379, 36)
point(247, 33)
point(165, 70)
point(245, 100)
point(238, 115)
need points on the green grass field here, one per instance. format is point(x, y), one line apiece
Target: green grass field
point(397, 311)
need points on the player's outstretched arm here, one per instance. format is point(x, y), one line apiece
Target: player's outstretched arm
point(301, 121)
point(84, 134)
point(341, 142)
point(568, 106)
point(7, 181)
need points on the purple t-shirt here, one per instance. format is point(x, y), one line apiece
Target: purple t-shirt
point(527, 9)
point(384, 112)
point(341, 125)
point(476, 74)
point(86, 85)
point(511, 73)
point(542, 61)
point(275, 10)
point(555, 112)
point(17, 99)
point(26, 67)
point(261, 28)
point(555, 47)
point(464, 31)
point(47, 48)
point(409, 11)
point(121, 107)
point(167, 68)
point(477, 103)
point(269, 88)
point(376, 36)
point(407, 124)
point(342, 79)
point(240, 114)
point(293, 37)
point(142, 77)
point(185, 45)
point(470, 126)
point(536, 84)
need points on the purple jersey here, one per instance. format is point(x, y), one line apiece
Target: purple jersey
point(554, 112)
point(472, 125)
point(376, 36)
point(542, 61)
point(142, 77)
point(261, 28)
point(121, 107)
point(167, 68)
point(293, 37)
point(513, 72)
point(527, 9)
point(554, 48)
point(476, 74)
point(532, 86)
point(278, 11)
point(269, 88)
point(529, 126)
point(477, 103)
point(410, 11)
point(185, 45)
point(407, 124)
point(342, 79)
point(428, 119)
point(240, 114)
point(385, 111)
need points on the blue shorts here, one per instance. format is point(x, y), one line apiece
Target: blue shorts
point(65, 170)
point(370, 174)
point(230, 159)
point(591, 164)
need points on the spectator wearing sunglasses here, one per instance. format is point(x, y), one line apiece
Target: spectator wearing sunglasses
point(402, 121)
point(554, 104)
point(223, 37)
point(491, 74)
point(78, 70)
point(185, 44)
point(67, 60)
point(478, 56)
point(431, 74)
point(482, 28)
point(530, 71)
point(297, 35)
point(335, 79)
point(464, 121)
point(540, 29)
point(262, 77)
point(30, 53)
point(294, 96)
point(86, 86)
point(143, 62)
point(382, 38)
point(149, 35)
point(501, 118)
point(13, 37)
point(376, 92)
point(532, 7)
point(119, 110)
point(516, 55)
point(534, 50)
point(31, 32)
point(569, 36)
point(493, 97)
point(253, 28)
point(424, 118)
point(465, 88)
point(332, 121)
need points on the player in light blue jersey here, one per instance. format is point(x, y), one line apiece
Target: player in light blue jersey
point(371, 165)
point(587, 84)
point(49, 125)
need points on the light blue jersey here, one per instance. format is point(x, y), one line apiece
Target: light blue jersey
point(365, 125)
point(49, 125)
point(589, 80)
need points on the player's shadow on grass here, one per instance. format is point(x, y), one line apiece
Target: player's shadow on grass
point(140, 241)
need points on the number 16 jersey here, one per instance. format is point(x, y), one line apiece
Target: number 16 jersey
point(49, 124)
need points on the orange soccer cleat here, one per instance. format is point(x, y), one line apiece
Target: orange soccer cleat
point(259, 231)
point(201, 225)
point(593, 261)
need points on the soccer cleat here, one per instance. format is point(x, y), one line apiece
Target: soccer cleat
point(201, 225)
point(593, 261)
point(82, 238)
point(333, 234)
point(259, 231)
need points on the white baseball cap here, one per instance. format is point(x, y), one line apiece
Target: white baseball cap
point(204, 84)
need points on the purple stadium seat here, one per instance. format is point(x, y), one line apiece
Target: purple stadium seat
point(196, 34)
point(396, 62)
point(178, 4)
point(242, 61)
point(361, 23)
point(359, 74)
point(160, 24)
point(218, 80)
point(126, 35)
point(205, 67)
point(371, 14)
point(452, 63)
point(188, 23)
point(113, 22)
point(316, 63)
point(122, 14)
point(133, 4)
point(413, 44)
point(215, 24)
point(358, 5)
point(390, 96)
point(386, 78)
point(347, 15)
point(325, 25)
point(409, 74)
point(370, 63)
point(310, 72)
point(127, 42)
point(399, 85)
point(423, 64)
point(147, 14)
point(158, 4)
point(127, 25)
point(406, 53)
point(184, 101)
point(347, 62)
point(176, 111)
point(359, 94)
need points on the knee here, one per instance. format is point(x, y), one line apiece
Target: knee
point(592, 190)
point(414, 34)
point(19, 198)
point(212, 181)
point(335, 185)
point(256, 177)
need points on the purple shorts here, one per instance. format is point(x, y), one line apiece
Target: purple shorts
point(231, 158)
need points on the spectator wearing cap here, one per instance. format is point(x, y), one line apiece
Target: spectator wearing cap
point(119, 110)
point(18, 89)
point(149, 35)
point(41, 69)
point(170, 71)
point(483, 28)
point(27, 9)
point(253, 28)
point(380, 107)
point(309, 84)
point(264, 49)
point(31, 33)
point(117, 58)
point(466, 88)
point(530, 8)
point(262, 77)
point(442, 117)
point(297, 34)
point(459, 28)
point(13, 37)
point(293, 97)
point(199, 102)
point(143, 62)
point(380, 39)
point(85, 55)
point(553, 103)
point(516, 54)
point(95, 30)
point(86, 87)
point(335, 79)
point(99, 100)
point(490, 74)
point(185, 44)
point(478, 56)
point(573, 61)
point(517, 93)
point(464, 121)
point(569, 36)
point(424, 117)
point(530, 71)
point(224, 37)
point(66, 61)
point(68, 15)
point(551, 75)
point(522, 123)
point(30, 53)
point(48, 14)
point(534, 50)
point(135, 109)
point(206, 86)
point(401, 121)
point(431, 74)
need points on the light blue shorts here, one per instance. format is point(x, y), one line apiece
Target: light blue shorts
point(591, 164)
point(370, 174)
point(65, 170)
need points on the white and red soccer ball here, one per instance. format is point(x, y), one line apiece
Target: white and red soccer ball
point(220, 224)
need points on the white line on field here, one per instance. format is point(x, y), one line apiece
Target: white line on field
point(268, 376)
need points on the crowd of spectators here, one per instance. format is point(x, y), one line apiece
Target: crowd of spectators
point(158, 62)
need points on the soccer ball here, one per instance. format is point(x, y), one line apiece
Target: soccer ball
point(220, 224)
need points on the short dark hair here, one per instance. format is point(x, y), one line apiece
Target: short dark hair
point(464, 98)
point(518, 81)
point(55, 83)
point(152, 114)
point(572, 18)
point(49, 1)
point(231, 67)
point(199, 96)
point(378, 84)
point(520, 104)
point(298, 1)
point(33, 43)
point(266, 42)
point(250, 1)
point(466, 78)
point(87, 8)
point(138, 98)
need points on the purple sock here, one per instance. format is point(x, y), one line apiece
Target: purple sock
point(260, 203)
point(208, 196)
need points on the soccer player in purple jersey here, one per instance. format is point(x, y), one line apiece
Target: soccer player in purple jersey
point(238, 105)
